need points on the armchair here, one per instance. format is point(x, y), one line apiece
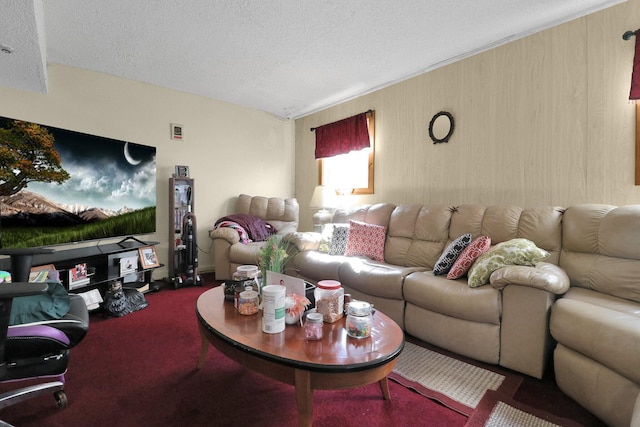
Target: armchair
point(39, 349)
point(229, 252)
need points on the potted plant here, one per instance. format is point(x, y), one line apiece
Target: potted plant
point(273, 256)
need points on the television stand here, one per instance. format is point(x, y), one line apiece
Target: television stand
point(135, 239)
point(106, 262)
point(21, 261)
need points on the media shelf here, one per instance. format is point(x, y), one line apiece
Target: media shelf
point(181, 203)
point(103, 263)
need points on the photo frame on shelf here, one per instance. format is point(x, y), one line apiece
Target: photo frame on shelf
point(182, 171)
point(148, 257)
point(128, 265)
point(78, 276)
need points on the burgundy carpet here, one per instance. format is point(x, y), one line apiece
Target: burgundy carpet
point(139, 370)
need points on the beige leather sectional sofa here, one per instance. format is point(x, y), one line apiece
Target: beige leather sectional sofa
point(510, 322)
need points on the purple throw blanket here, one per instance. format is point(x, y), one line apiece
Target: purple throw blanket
point(257, 229)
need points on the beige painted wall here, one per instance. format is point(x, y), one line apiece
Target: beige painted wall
point(542, 120)
point(229, 149)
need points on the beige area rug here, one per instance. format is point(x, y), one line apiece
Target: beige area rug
point(457, 384)
point(497, 410)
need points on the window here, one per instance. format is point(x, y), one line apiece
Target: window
point(353, 170)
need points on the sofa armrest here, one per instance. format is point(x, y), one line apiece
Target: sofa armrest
point(304, 241)
point(525, 341)
point(227, 233)
point(545, 276)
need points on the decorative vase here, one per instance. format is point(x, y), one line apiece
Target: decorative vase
point(290, 318)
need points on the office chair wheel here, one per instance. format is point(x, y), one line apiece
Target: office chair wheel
point(61, 399)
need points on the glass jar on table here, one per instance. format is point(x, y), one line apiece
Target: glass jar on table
point(329, 296)
point(359, 319)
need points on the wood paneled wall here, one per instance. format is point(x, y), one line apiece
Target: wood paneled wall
point(544, 120)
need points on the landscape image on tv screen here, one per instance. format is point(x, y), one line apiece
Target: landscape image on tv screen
point(58, 186)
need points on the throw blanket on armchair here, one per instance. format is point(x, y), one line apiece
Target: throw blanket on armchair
point(242, 233)
point(256, 228)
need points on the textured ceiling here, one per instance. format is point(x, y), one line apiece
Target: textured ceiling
point(286, 57)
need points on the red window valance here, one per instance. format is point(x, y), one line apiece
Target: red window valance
point(634, 93)
point(343, 136)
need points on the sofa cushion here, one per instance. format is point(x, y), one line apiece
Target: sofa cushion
point(417, 234)
point(281, 213)
point(453, 298)
point(366, 240)
point(374, 277)
point(324, 243)
point(511, 252)
point(451, 254)
point(378, 214)
point(326, 237)
point(603, 328)
point(599, 250)
point(315, 265)
point(476, 248)
point(339, 237)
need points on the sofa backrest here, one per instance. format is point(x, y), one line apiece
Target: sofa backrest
point(601, 248)
point(377, 214)
point(542, 225)
point(418, 234)
point(283, 214)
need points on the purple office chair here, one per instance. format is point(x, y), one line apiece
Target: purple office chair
point(38, 349)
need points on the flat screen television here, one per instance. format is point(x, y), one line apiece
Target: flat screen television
point(59, 186)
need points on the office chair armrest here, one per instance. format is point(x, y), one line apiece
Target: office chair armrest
point(39, 331)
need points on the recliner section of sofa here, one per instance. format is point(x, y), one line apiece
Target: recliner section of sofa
point(597, 322)
point(488, 323)
point(229, 252)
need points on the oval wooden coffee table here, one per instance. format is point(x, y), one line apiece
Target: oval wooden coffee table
point(335, 362)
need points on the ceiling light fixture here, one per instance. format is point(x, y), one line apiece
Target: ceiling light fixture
point(5, 49)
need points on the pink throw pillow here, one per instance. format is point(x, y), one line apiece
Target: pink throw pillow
point(469, 256)
point(366, 239)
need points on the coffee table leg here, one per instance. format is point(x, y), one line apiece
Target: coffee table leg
point(204, 349)
point(304, 397)
point(384, 386)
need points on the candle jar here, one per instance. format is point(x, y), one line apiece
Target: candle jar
point(313, 326)
point(359, 319)
point(248, 302)
point(245, 275)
